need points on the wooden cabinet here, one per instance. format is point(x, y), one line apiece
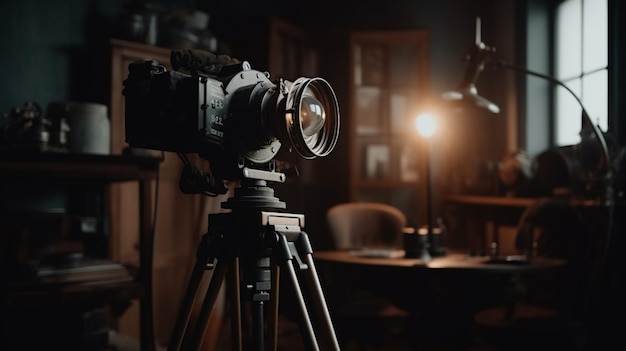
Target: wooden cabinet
point(389, 79)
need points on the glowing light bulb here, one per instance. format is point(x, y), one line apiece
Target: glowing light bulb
point(426, 125)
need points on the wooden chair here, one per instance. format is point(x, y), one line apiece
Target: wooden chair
point(356, 225)
point(362, 316)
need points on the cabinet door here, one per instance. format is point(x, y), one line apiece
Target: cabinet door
point(388, 88)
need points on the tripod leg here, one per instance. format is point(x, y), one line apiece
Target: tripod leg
point(207, 306)
point(234, 291)
point(285, 261)
point(303, 245)
point(320, 302)
point(186, 306)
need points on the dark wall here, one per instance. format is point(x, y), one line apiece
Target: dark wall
point(450, 24)
point(57, 50)
point(44, 43)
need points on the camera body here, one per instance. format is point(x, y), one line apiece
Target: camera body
point(231, 115)
point(179, 112)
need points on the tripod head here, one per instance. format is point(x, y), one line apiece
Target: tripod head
point(253, 194)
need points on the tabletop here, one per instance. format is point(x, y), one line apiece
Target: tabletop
point(452, 261)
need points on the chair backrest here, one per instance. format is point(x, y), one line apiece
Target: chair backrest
point(355, 225)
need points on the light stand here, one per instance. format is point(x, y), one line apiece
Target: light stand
point(429, 197)
point(426, 127)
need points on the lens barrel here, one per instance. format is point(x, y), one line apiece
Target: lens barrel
point(312, 117)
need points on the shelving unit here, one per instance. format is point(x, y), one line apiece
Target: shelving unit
point(389, 79)
point(80, 172)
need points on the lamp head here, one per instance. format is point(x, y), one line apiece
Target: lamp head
point(467, 94)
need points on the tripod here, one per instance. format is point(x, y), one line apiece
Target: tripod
point(250, 246)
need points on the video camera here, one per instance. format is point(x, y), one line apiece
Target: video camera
point(230, 114)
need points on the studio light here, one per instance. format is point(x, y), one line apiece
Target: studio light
point(467, 97)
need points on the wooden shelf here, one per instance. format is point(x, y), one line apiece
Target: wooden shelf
point(104, 168)
point(87, 293)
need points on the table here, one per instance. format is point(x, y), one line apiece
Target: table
point(441, 295)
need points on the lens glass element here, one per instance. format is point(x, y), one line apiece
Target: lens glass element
point(312, 117)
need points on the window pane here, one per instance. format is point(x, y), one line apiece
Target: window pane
point(595, 34)
point(595, 98)
point(568, 33)
point(568, 111)
point(582, 47)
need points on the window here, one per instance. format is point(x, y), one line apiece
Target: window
point(581, 62)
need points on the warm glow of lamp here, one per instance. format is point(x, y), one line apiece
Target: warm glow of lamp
point(426, 125)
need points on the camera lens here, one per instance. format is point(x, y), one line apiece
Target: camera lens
point(312, 117)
